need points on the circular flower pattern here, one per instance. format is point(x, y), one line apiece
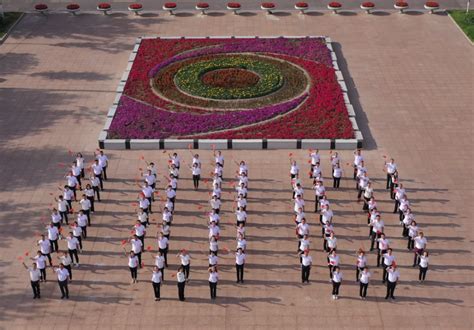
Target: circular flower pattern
point(230, 78)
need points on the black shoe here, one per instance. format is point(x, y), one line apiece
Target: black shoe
point(67, 297)
point(34, 297)
point(393, 298)
point(62, 297)
point(386, 297)
point(39, 297)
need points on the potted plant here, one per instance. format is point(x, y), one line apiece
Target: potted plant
point(41, 8)
point(431, 6)
point(234, 6)
point(268, 6)
point(301, 6)
point(73, 8)
point(104, 7)
point(334, 6)
point(401, 6)
point(202, 6)
point(135, 8)
point(367, 6)
point(169, 7)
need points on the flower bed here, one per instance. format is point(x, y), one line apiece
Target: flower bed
point(72, 6)
point(104, 6)
point(172, 84)
point(233, 5)
point(41, 7)
point(367, 5)
point(135, 6)
point(334, 5)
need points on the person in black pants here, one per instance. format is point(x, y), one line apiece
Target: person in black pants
point(336, 282)
point(156, 282)
point(213, 278)
point(392, 279)
point(364, 282)
point(181, 283)
point(306, 262)
point(35, 276)
point(239, 265)
point(424, 259)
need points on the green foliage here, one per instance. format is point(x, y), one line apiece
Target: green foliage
point(465, 21)
point(7, 22)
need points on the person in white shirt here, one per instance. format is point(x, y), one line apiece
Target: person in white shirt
point(382, 248)
point(196, 159)
point(132, 265)
point(80, 163)
point(170, 194)
point(319, 192)
point(68, 195)
point(403, 207)
point(330, 243)
point(420, 245)
point(196, 171)
point(35, 276)
point(333, 262)
point(326, 214)
point(137, 248)
point(394, 182)
point(148, 192)
point(181, 283)
point(377, 230)
point(213, 245)
point(368, 194)
point(77, 232)
point(306, 262)
point(392, 277)
point(239, 265)
point(89, 192)
point(97, 170)
point(76, 172)
point(63, 277)
point(298, 190)
point(72, 183)
point(423, 265)
point(72, 247)
point(315, 158)
point(304, 244)
point(173, 172)
point(299, 203)
point(364, 282)
point(103, 162)
point(336, 282)
point(294, 170)
point(336, 175)
point(361, 263)
point(56, 218)
point(156, 282)
point(82, 222)
point(215, 204)
point(65, 259)
point(219, 159)
point(408, 218)
point(241, 203)
point(388, 261)
point(390, 168)
point(185, 259)
point(362, 183)
point(95, 182)
point(213, 259)
point(399, 193)
point(216, 191)
point(53, 236)
point(150, 166)
point(160, 263)
point(140, 232)
point(412, 233)
point(299, 216)
point(241, 216)
point(213, 278)
point(317, 173)
point(45, 247)
point(63, 208)
point(335, 160)
point(301, 229)
point(86, 207)
point(358, 160)
point(165, 229)
point(40, 261)
point(150, 178)
point(163, 247)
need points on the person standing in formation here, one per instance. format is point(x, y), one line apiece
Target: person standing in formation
point(196, 171)
point(73, 247)
point(132, 265)
point(392, 278)
point(181, 278)
point(358, 161)
point(336, 175)
point(53, 236)
point(163, 246)
point(156, 282)
point(239, 265)
point(45, 248)
point(424, 260)
point(40, 261)
point(97, 174)
point(390, 168)
point(213, 278)
point(160, 263)
point(336, 282)
point(364, 282)
point(35, 276)
point(66, 260)
point(137, 248)
point(420, 245)
point(185, 262)
point(306, 262)
point(103, 161)
point(361, 263)
point(63, 277)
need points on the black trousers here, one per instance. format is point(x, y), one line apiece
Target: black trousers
point(64, 216)
point(411, 243)
point(36, 289)
point(162, 270)
point(331, 268)
point(335, 288)
point(69, 269)
point(389, 179)
point(139, 256)
point(196, 179)
point(133, 272)
point(64, 289)
point(91, 199)
point(142, 238)
point(363, 289)
point(54, 245)
point(101, 182)
point(316, 203)
point(104, 172)
point(97, 192)
point(165, 255)
point(84, 231)
point(336, 183)
point(385, 274)
point(48, 255)
point(305, 270)
point(390, 289)
point(397, 204)
point(79, 238)
point(78, 177)
point(380, 254)
point(422, 274)
point(43, 274)
point(88, 214)
point(358, 270)
point(240, 272)
point(181, 286)
point(186, 270)
point(156, 289)
point(72, 254)
point(213, 288)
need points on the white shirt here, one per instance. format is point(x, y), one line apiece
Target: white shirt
point(166, 216)
point(316, 171)
point(136, 245)
point(240, 258)
point(304, 244)
point(68, 194)
point(196, 161)
point(143, 203)
point(72, 181)
point(420, 242)
point(241, 244)
point(213, 260)
point(360, 171)
point(378, 226)
point(89, 192)
point(97, 169)
point(35, 274)
point(77, 231)
point(388, 259)
point(196, 170)
point(62, 205)
point(364, 277)
point(219, 159)
point(399, 193)
point(133, 261)
point(213, 277)
point(337, 277)
point(95, 181)
point(412, 231)
point(215, 203)
point(327, 215)
point(45, 246)
point(383, 243)
point(66, 260)
point(306, 260)
point(294, 169)
point(303, 229)
point(299, 216)
point(332, 242)
point(160, 261)
point(170, 193)
point(424, 261)
point(85, 204)
point(361, 261)
point(156, 277)
point(150, 179)
point(76, 170)
point(333, 260)
point(319, 190)
point(368, 192)
point(180, 277)
point(241, 215)
point(363, 181)
point(53, 233)
point(55, 217)
point(337, 172)
point(358, 159)
point(213, 246)
point(63, 274)
point(102, 160)
point(185, 259)
point(214, 231)
point(82, 220)
point(72, 243)
point(40, 262)
point(139, 230)
point(80, 162)
point(162, 242)
point(147, 191)
point(393, 275)
point(299, 204)
point(391, 167)
point(315, 158)
point(241, 202)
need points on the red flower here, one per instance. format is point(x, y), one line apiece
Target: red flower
point(135, 6)
point(170, 5)
point(401, 4)
point(301, 5)
point(368, 4)
point(104, 5)
point(268, 5)
point(334, 5)
point(202, 5)
point(41, 6)
point(234, 5)
point(432, 4)
point(72, 6)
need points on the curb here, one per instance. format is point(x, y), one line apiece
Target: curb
point(459, 28)
point(7, 34)
point(239, 144)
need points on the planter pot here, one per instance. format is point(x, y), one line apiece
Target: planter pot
point(73, 11)
point(334, 9)
point(431, 9)
point(170, 10)
point(202, 9)
point(136, 11)
point(105, 11)
point(268, 9)
point(400, 8)
point(367, 9)
point(235, 9)
point(302, 9)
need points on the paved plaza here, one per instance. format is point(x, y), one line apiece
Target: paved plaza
point(410, 78)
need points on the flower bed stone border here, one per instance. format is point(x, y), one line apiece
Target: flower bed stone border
point(156, 144)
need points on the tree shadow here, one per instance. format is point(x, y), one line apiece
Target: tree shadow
point(247, 13)
point(66, 75)
point(183, 14)
point(346, 13)
point(380, 13)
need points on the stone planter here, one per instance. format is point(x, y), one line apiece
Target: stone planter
point(431, 6)
point(169, 7)
point(302, 7)
point(234, 6)
point(202, 6)
point(367, 6)
point(334, 6)
point(135, 8)
point(104, 8)
point(268, 6)
point(400, 6)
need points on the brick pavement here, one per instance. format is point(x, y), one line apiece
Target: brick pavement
point(411, 75)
